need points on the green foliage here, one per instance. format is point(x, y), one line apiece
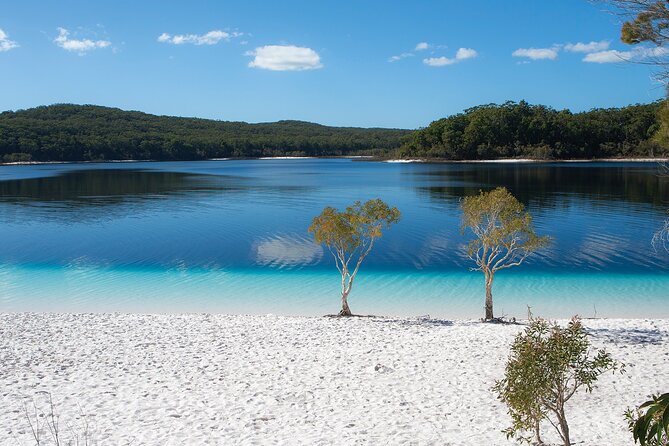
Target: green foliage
point(513, 130)
point(661, 135)
point(355, 227)
point(503, 230)
point(649, 424)
point(17, 158)
point(650, 23)
point(547, 366)
point(350, 234)
point(91, 133)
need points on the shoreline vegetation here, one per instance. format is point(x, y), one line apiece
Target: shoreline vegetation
point(510, 131)
point(365, 158)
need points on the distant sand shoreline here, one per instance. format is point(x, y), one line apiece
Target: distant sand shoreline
point(529, 160)
point(219, 379)
point(361, 157)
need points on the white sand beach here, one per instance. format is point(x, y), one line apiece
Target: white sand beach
point(216, 379)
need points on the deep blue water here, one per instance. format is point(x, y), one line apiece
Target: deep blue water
point(231, 236)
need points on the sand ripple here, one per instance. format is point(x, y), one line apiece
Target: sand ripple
point(214, 379)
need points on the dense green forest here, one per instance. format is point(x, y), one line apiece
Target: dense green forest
point(519, 129)
point(85, 132)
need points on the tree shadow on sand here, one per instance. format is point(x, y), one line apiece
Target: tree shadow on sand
point(421, 322)
point(631, 336)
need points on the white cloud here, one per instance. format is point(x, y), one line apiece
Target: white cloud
point(5, 43)
point(439, 61)
point(421, 46)
point(466, 53)
point(400, 57)
point(284, 58)
point(614, 56)
point(210, 38)
point(536, 53)
point(80, 46)
point(580, 47)
point(610, 56)
point(460, 55)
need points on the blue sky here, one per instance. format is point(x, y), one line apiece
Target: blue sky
point(357, 63)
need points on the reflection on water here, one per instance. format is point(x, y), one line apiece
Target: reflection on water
point(106, 187)
point(287, 251)
point(183, 217)
point(550, 184)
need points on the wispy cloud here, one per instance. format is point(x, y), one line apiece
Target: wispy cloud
point(284, 58)
point(610, 56)
point(590, 47)
point(5, 43)
point(460, 55)
point(210, 38)
point(615, 56)
point(537, 53)
point(400, 57)
point(420, 46)
point(76, 45)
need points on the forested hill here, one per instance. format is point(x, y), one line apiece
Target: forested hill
point(86, 132)
point(514, 130)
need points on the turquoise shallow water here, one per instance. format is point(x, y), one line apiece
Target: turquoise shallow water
point(230, 236)
point(446, 295)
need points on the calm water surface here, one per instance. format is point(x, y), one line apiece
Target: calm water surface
point(231, 236)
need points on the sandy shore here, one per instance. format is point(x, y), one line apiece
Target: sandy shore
point(529, 160)
point(215, 379)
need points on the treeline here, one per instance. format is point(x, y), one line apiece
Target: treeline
point(511, 130)
point(514, 130)
point(88, 133)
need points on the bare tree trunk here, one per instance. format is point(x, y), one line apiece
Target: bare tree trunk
point(488, 295)
point(564, 427)
point(537, 433)
point(345, 310)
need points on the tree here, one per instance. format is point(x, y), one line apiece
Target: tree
point(649, 424)
point(661, 237)
point(350, 235)
point(648, 22)
point(504, 235)
point(547, 366)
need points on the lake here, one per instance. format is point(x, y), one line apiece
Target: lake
point(231, 236)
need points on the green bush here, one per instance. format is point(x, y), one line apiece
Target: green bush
point(547, 366)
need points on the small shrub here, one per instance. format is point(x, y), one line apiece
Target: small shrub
point(547, 366)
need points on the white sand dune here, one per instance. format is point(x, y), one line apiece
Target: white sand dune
point(215, 379)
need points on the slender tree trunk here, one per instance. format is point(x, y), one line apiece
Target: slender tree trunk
point(564, 427)
point(488, 296)
point(345, 310)
point(537, 433)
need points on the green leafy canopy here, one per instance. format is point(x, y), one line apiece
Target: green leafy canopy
point(354, 227)
point(503, 230)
